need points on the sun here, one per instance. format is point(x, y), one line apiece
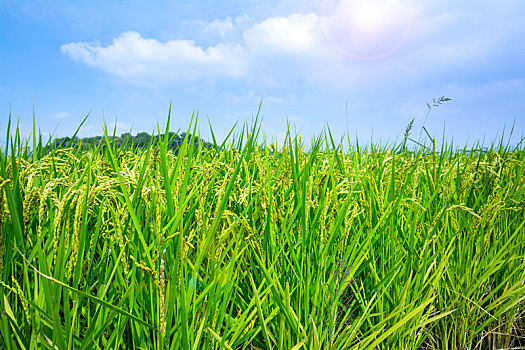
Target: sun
point(367, 29)
point(367, 15)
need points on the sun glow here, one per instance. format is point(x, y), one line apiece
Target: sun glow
point(366, 15)
point(367, 30)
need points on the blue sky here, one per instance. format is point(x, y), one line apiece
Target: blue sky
point(362, 67)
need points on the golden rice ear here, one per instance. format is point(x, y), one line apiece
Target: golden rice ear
point(30, 204)
point(162, 295)
point(303, 248)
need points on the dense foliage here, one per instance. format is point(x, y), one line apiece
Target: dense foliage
point(242, 245)
point(126, 140)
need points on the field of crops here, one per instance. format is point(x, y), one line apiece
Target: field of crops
point(245, 245)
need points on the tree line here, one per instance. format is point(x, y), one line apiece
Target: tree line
point(126, 140)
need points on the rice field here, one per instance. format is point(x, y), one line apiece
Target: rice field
point(247, 245)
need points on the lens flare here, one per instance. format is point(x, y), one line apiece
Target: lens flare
point(367, 30)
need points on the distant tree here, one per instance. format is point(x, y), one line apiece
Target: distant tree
point(141, 140)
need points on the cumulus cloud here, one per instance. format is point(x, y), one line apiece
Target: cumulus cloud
point(138, 59)
point(135, 58)
point(402, 40)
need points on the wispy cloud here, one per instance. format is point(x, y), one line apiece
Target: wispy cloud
point(119, 127)
point(223, 28)
point(60, 115)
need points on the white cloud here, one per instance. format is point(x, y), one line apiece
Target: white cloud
point(137, 59)
point(60, 115)
point(87, 130)
point(221, 27)
point(279, 51)
point(252, 97)
point(295, 33)
point(90, 130)
point(119, 127)
point(243, 21)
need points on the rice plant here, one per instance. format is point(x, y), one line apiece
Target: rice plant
point(246, 245)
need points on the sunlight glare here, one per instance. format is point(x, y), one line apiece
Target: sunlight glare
point(367, 30)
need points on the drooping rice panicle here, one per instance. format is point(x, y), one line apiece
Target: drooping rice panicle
point(247, 245)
